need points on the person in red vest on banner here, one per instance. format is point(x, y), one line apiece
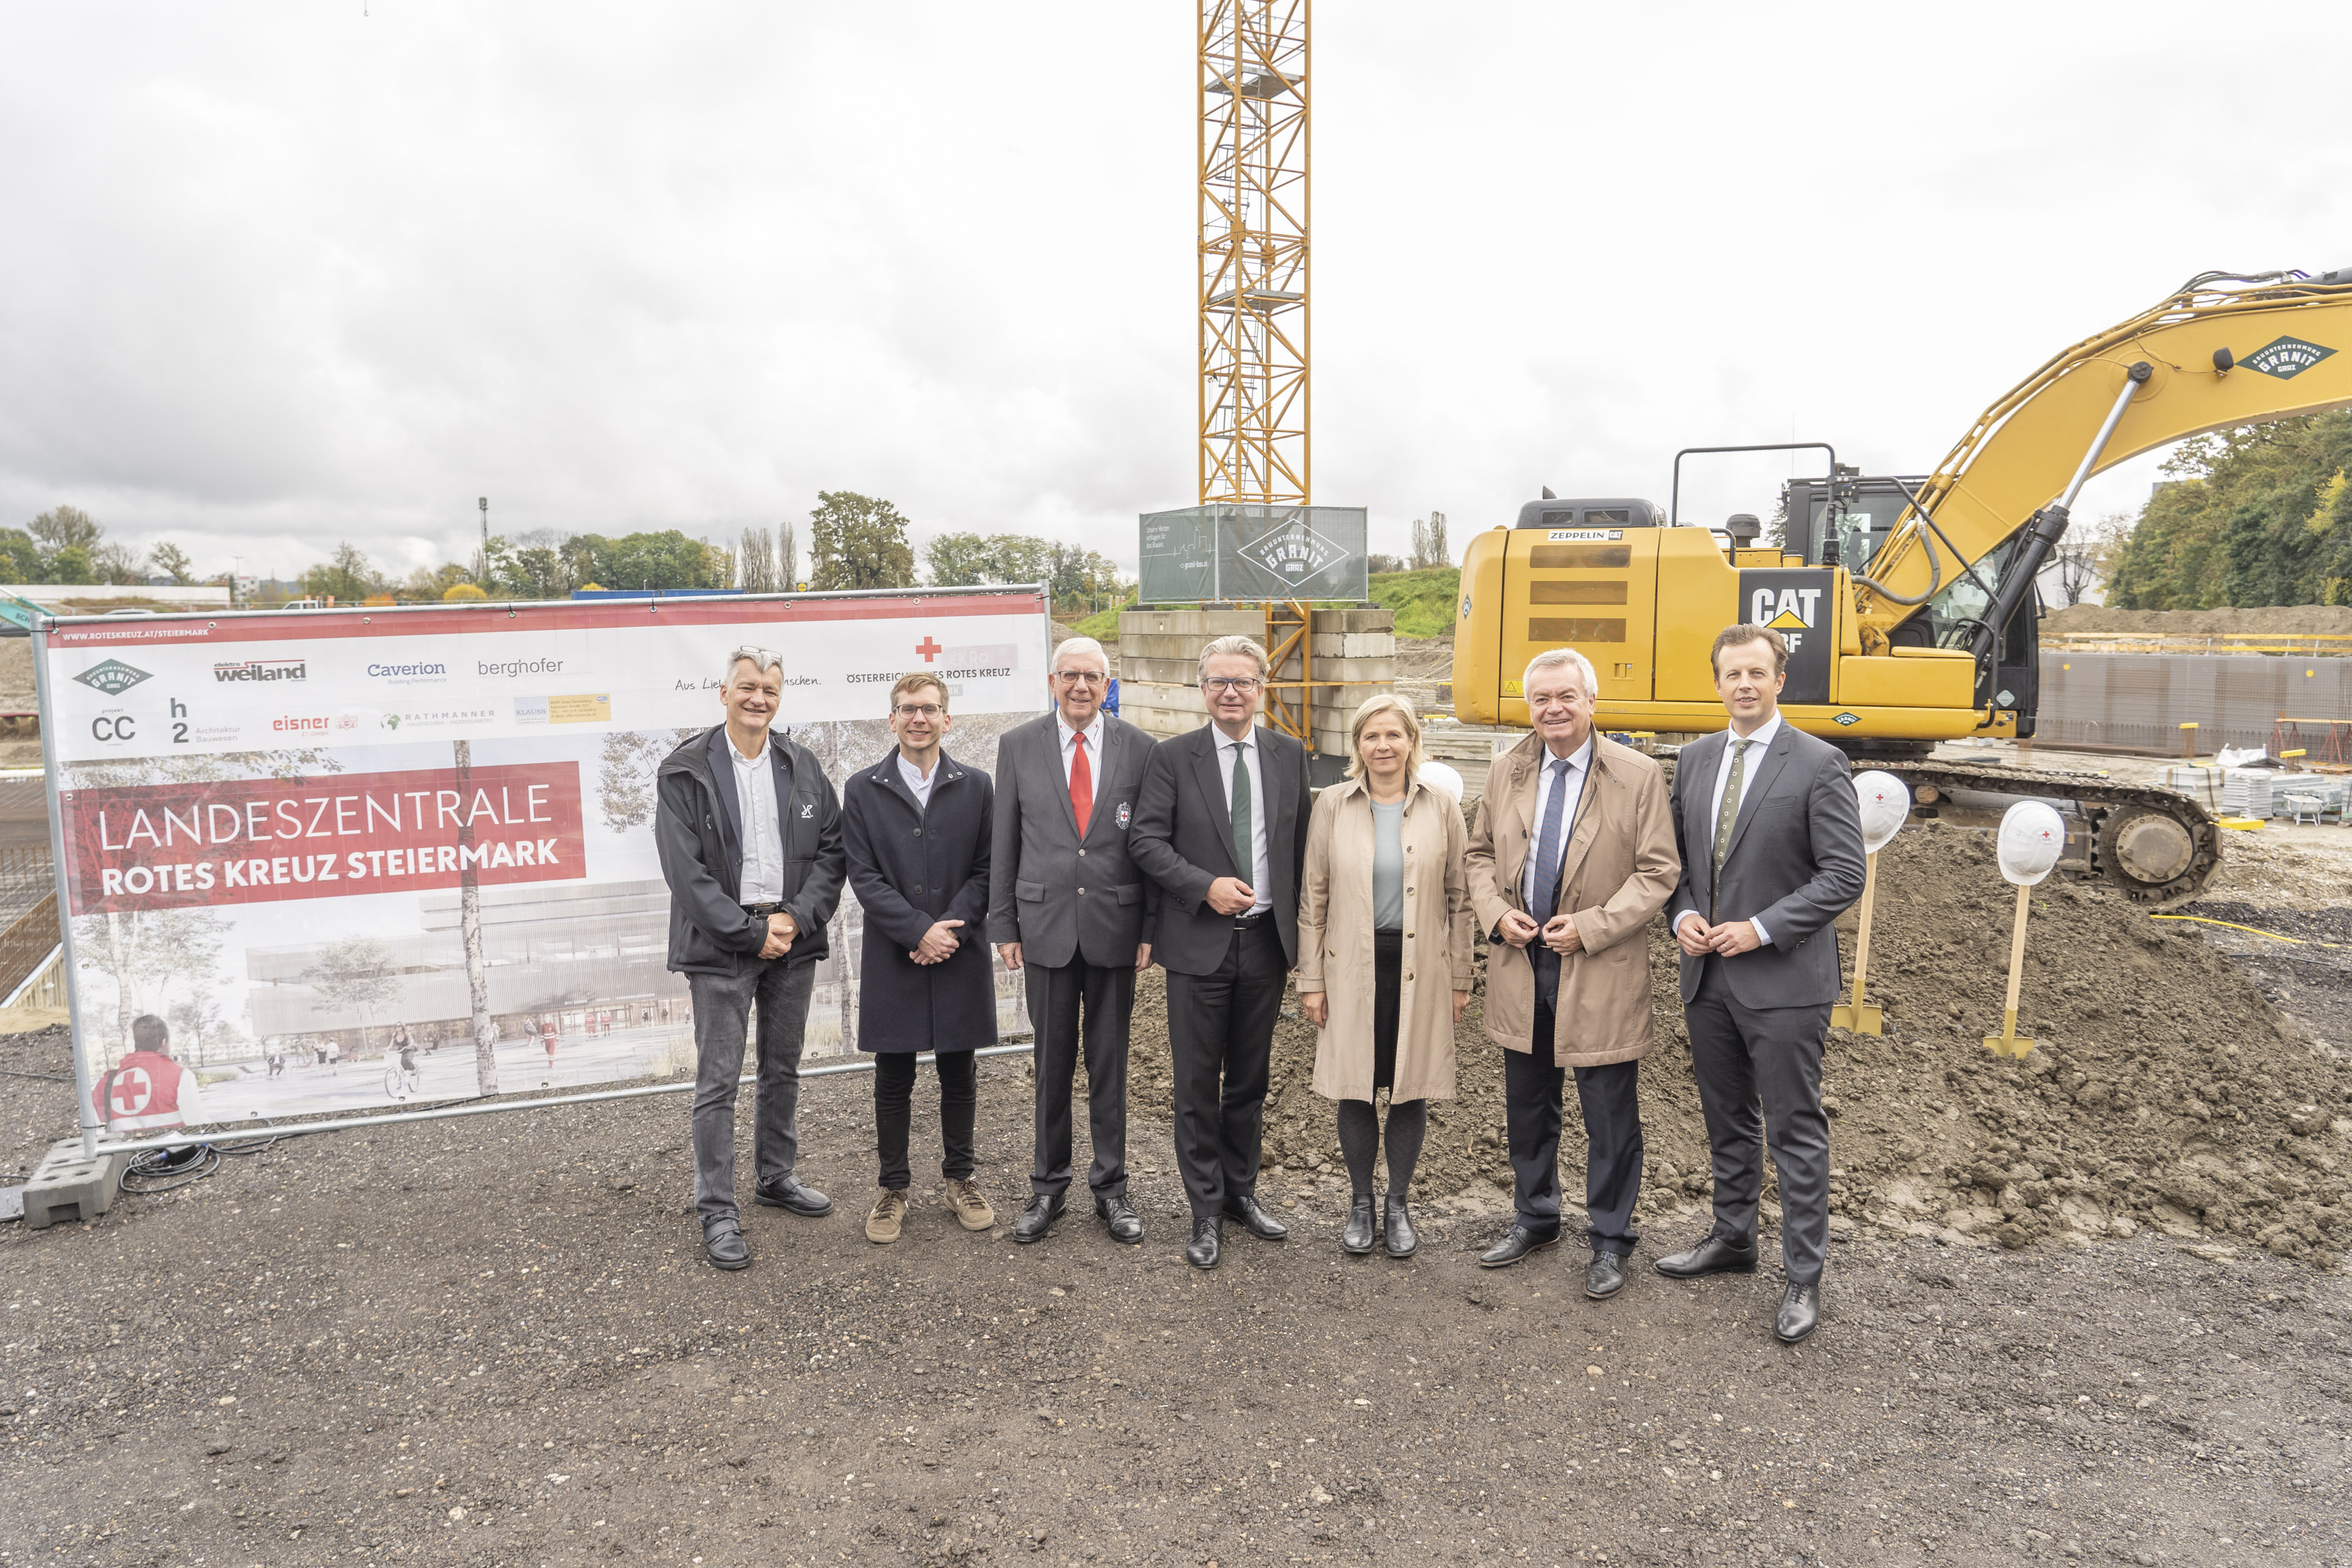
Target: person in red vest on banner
point(147, 1089)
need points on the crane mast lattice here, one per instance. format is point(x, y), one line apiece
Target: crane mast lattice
point(1253, 258)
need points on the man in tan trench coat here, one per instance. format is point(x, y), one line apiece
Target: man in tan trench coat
point(1573, 852)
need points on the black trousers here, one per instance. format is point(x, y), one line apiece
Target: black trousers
point(1057, 995)
point(1760, 1085)
point(1388, 997)
point(1611, 1100)
point(1220, 1037)
point(893, 1094)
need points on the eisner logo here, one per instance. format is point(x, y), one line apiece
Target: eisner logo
point(264, 669)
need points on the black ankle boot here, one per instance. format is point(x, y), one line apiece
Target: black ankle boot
point(1398, 1224)
point(1358, 1238)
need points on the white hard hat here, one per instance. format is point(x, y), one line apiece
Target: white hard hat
point(1439, 775)
point(2033, 836)
point(1885, 803)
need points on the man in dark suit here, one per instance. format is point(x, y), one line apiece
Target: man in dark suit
point(1068, 908)
point(749, 832)
point(1222, 828)
point(1772, 846)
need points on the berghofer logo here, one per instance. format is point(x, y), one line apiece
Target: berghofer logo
point(264, 669)
point(2285, 358)
point(512, 668)
point(114, 678)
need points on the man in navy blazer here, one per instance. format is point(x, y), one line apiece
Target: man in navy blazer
point(1221, 828)
point(1770, 838)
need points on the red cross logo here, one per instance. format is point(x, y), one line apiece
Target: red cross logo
point(133, 1090)
point(929, 649)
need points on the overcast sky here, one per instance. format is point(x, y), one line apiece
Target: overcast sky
point(279, 275)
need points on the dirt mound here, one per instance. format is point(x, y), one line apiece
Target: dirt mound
point(2273, 618)
point(2164, 1089)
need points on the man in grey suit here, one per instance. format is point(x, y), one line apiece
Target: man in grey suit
point(1772, 846)
point(1068, 908)
point(1221, 828)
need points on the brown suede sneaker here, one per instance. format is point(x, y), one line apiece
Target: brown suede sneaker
point(890, 1212)
point(970, 1208)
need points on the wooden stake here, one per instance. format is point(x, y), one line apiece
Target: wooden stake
point(1859, 1017)
point(2009, 1044)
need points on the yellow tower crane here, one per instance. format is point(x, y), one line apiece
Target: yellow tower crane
point(1254, 300)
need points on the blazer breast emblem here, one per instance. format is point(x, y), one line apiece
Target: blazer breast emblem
point(1122, 813)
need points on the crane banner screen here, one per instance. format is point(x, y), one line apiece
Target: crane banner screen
point(361, 859)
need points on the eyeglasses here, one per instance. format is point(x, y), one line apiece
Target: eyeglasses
point(1222, 683)
point(762, 659)
point(918, 710)
point(1087, 677)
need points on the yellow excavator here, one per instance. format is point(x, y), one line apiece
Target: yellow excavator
point(1908, 603)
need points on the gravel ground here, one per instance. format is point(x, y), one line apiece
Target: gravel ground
point(492, 1341)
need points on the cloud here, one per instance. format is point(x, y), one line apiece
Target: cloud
point(284, 275)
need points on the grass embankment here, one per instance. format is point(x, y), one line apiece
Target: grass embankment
point(1423, 602)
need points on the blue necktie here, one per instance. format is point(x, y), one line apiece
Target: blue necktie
point(1548, 845)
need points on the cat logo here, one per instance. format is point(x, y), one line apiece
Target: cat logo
point(1789, 611)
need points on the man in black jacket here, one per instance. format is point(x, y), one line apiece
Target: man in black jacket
point(1221, 824)
point(748, 830)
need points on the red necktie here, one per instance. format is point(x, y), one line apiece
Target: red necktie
point(1082, 783)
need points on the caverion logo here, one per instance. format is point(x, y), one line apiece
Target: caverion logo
point(2285, 358)
point(114, 678)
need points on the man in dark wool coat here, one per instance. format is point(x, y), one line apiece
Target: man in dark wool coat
point(917, 829)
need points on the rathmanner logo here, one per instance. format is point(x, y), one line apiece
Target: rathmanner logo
point(1293, 552)
point(2285, 358)
point(114, 678)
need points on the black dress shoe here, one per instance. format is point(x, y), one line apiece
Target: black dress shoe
point(722, 1244)
point(1208, 1241)
point(1514, 1246)
point(788, 1194)
point(1357, 1238)
point(1799, 1314)
point(1255, 1219)
point(1605, 1275)
point(1713, 1255)
point(1038, 1217)
point(1119, 1214)
point(1398, 1227)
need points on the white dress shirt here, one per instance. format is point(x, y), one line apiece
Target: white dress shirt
point(1094, 734)
point(1758, 745)
point(1262, 869)
point(918, 780)
point(1579, 768)
point(763, 839)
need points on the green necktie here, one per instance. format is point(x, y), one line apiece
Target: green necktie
point(1244, 854)
point(1729, 813)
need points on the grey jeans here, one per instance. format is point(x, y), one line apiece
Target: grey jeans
point(722, 1006)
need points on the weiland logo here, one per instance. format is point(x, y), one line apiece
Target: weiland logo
point(264, 669)
point(113, 676)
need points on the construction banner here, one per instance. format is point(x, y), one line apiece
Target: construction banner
point(336, 851)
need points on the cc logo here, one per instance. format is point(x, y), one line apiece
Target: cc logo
point(115, 728)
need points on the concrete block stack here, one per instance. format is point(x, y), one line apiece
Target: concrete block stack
point(1159, 666)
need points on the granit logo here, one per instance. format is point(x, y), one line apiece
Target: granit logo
point(113, 676)
point(2285, 358)
point(264, 669)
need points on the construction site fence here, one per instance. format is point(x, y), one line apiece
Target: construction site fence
point(2317, 644)
point(2168, 706)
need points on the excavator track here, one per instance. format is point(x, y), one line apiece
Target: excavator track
point(2133, 834)
point(2156, 845)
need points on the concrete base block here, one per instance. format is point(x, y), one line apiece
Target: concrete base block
point(72, 1186)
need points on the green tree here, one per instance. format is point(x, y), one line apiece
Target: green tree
point(174, 563)
point(348, 575)
point(2253, 516)
point(71, 564)
point(65, 527)
point(1076, 576)
point(119, 563)
point(858, 542)
point(356, 973)
point(20, 557)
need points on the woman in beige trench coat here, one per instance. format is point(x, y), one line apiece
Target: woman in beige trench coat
point(1385, 901)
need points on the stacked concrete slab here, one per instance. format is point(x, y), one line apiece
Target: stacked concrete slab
point(1160, 653)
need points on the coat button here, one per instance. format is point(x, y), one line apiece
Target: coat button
point(1408, 936)
point(1082, 892)
point(1082, 853)
point(1408, 974)
point(918, 832)
point(918, 887)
